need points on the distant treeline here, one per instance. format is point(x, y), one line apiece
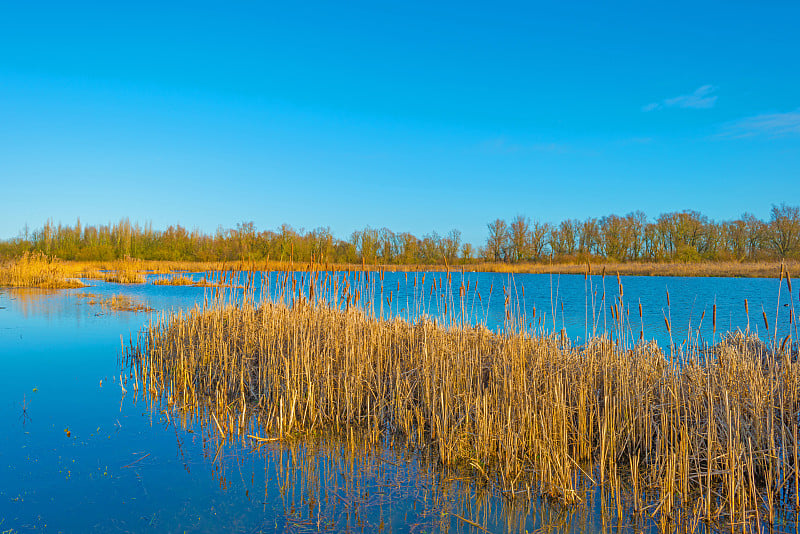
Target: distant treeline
point(680, 236)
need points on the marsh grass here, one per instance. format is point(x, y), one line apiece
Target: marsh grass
point(126, 271)
point(702, 434)
point(36, 270)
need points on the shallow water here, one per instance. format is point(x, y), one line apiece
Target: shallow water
point(77, 454)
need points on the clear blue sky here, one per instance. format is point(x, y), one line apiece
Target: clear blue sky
point(417, 116)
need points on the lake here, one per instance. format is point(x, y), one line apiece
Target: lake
point(80, 454)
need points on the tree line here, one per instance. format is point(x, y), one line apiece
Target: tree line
point(685, 236)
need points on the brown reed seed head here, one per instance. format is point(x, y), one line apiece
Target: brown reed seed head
point(714, 318)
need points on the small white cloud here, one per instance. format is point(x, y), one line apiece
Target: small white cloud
point(701, 98)
point(766, 124)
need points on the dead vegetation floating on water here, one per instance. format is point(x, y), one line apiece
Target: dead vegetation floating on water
point(218, 282)
point(212, 279)
point(706, 435)
point(116, 303)
point(36, 270)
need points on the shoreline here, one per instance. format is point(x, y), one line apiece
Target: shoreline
point(726, 269)
point(42, 271)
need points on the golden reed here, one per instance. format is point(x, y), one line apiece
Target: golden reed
point(700, 435)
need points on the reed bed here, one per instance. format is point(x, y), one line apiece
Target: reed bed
point(706, 434)
point(36, 270)
point(212, 279)
point(176, 280)
point(127, 271)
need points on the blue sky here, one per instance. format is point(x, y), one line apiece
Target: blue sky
point(417, 116)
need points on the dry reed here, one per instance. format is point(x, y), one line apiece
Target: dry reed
point(700, 435)
point(36, 270)
point(127, 271)
point(117, 303)
point(177, 280)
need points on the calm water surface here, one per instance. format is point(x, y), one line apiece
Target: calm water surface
point(78, 454)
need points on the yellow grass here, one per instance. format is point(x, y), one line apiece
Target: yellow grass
point(705, 434)
point(127, 271)
point(36, 270)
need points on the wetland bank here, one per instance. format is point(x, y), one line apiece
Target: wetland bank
point(314, 400)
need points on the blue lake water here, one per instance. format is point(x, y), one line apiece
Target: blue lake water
point(76, 454)
point(581, 306)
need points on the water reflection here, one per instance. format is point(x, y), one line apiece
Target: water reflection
point(46, 303)
point(325, 484)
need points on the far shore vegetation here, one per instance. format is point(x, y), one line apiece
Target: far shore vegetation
point(684, 243)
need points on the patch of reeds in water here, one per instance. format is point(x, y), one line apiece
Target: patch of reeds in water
point(211, 279)
point(116, 303)
point(177, 280)
point(127, 271)
point(703, 435)
point(36, 270)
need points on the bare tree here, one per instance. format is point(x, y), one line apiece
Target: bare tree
point(467, 253)
point(449, 245)
point(588, 237)
point(784, 229)
point(497, 242)
point(519, 235)
point(537, 239)
point(613, 237)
